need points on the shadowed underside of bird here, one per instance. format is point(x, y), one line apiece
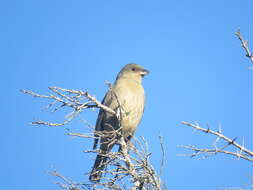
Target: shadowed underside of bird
point(126, 95)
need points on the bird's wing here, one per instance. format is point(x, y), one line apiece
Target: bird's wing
point(107, 101)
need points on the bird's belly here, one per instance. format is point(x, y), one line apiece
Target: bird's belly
point(132, 114)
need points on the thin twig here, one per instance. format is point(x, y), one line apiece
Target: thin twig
point(241, 150)
point(131, 164)
point(245, 45)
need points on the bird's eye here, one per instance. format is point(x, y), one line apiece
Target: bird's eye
point(133, 69)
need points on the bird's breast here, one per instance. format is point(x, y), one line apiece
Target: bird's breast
point(131, 99)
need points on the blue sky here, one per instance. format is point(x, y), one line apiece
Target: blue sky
point(198, 73)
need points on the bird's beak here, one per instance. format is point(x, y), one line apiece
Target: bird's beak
point(144, 72)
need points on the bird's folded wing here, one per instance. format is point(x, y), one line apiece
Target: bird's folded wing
point(107, 101)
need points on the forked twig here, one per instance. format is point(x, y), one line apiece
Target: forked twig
point(240, 150)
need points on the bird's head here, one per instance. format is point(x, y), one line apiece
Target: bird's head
point(132, 71)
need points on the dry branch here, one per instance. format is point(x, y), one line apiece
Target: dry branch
point(62, 98)
point(128, 169)
point(240, 151)
point(245, 45)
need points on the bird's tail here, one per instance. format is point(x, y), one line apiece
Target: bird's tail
point(98, 168)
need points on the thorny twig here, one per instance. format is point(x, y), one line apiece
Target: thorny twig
point(244, 44)
point(240, 152)
point(163, 155)
point(66, 183)
point(130, 166)
point(128, 169)
point(61, 98)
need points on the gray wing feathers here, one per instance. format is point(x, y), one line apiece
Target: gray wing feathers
point(107, 101)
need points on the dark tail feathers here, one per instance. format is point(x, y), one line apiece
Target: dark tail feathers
point(98, 168)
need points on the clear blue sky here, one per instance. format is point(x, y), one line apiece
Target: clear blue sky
point(198, 73)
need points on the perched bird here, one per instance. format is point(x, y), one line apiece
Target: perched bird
point(127, 98)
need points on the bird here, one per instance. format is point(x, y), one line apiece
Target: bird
point(126, 97)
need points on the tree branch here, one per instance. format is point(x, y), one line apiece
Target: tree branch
point(61, 98)
point(240, 150)
point(131, 163)
point(244, 44)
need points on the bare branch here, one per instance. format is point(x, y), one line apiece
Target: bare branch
point(128, 169)
point(240, 150)
point(77, 100)
point(66, 183)
point(163, 155)
point(244, 44)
